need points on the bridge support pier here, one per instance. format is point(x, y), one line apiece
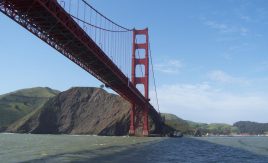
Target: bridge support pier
point(145, 131)
point(132, 121)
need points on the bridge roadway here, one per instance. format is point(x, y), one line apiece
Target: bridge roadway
point(51, 23)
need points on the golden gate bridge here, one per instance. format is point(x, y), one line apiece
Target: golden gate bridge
point(117, 56)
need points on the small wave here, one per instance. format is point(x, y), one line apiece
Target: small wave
point(100, 144)
point(7, 133)
point(242, 143)
point(81, 135)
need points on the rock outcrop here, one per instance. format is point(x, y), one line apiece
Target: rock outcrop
point(79, 111)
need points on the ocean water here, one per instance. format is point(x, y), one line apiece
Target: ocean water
point(74, 148)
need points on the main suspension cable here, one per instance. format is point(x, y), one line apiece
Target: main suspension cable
point(106, 17)
point(95, 26)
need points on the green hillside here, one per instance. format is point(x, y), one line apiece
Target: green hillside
point(176, 123)
point(254, 128)
point(218, 129)
point(19, 103)
point(189, 127)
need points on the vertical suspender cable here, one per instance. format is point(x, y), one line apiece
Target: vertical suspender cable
point(151, 59)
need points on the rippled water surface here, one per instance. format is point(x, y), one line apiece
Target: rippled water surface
point(66, 148)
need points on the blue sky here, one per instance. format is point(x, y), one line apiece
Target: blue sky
point(211, 57)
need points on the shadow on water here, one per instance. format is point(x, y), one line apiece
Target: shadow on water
point(166, 151)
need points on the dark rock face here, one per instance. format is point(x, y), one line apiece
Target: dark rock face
point(79, 111)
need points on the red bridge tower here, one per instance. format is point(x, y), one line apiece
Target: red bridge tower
point(144, 80)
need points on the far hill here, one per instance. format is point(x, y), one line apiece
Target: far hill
point(247, 127)
point(200, 129)
point(218, 129)
point(17, 104)
point(189, 127)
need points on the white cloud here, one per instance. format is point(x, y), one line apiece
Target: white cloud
point(203, 103)
point(245, 18)
point(262, 66)
point(226, 28)
point(218, 26)
point(169, 66)
point(223, 77)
